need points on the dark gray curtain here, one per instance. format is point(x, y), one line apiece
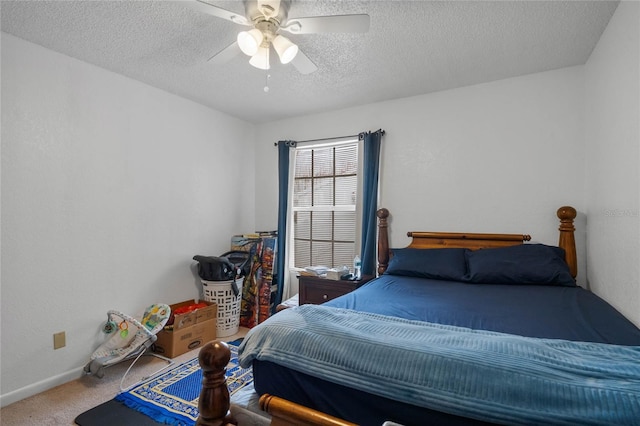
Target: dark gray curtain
point(371, 169)
point(283, 197)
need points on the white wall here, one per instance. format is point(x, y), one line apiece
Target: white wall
point(496, 157)
point(612, 134)
point(109, 187)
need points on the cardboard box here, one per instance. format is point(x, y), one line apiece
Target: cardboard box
point(191, 318)
point(177, 342)
point(189, 331)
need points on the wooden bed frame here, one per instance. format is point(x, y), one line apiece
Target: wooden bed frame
point(214, 399)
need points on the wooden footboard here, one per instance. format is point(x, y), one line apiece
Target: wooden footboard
point(287, 413)
point(214, 401)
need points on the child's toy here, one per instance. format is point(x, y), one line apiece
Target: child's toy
point(130, 338)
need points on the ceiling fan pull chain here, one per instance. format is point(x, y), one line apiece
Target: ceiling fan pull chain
point(266, 82)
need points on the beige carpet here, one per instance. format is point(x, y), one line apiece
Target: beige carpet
point(62, 404)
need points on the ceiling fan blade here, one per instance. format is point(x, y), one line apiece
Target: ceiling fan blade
point(328, 24)
point(210, 9)
point(303, 64)
point(226, 54)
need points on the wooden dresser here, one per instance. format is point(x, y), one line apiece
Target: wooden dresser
point(316, 290)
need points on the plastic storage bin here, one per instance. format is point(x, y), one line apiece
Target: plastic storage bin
point(221, 293)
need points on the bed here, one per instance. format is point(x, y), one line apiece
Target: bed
point(459, 328)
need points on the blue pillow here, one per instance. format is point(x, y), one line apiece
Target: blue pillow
point(440, 264)
point(520, 264)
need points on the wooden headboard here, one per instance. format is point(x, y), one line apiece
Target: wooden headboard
point(474, 241)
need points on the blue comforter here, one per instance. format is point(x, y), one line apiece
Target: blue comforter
point(484, 375)
point(554, 312)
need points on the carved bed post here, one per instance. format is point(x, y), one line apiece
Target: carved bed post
point(383, 240)
point(567, 241)
point(214, 401)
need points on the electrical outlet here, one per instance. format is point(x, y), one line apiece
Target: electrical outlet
point(59, 340)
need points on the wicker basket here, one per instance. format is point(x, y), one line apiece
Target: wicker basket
point(221, 293)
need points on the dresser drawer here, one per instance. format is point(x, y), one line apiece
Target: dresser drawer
point(316, 290)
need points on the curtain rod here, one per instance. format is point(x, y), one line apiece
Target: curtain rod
point(333, 138)
point(324, 139)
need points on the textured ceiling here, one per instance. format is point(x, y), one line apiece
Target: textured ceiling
point(412, 47)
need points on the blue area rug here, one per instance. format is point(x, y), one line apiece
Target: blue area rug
point(172, 397)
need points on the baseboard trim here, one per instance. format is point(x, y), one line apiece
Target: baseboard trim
point(36, 388)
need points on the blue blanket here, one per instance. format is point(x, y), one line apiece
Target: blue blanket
point(479, 374)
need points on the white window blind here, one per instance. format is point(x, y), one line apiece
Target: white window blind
point(324, 208)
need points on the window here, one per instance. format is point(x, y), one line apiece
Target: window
point(324, 208)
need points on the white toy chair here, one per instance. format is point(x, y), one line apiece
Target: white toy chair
point(130, 338)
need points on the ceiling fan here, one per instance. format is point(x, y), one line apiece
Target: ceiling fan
point(268, 18)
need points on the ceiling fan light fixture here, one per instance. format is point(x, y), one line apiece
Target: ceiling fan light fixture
point(261, 59)
point(250, 41)
point(285, 49)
